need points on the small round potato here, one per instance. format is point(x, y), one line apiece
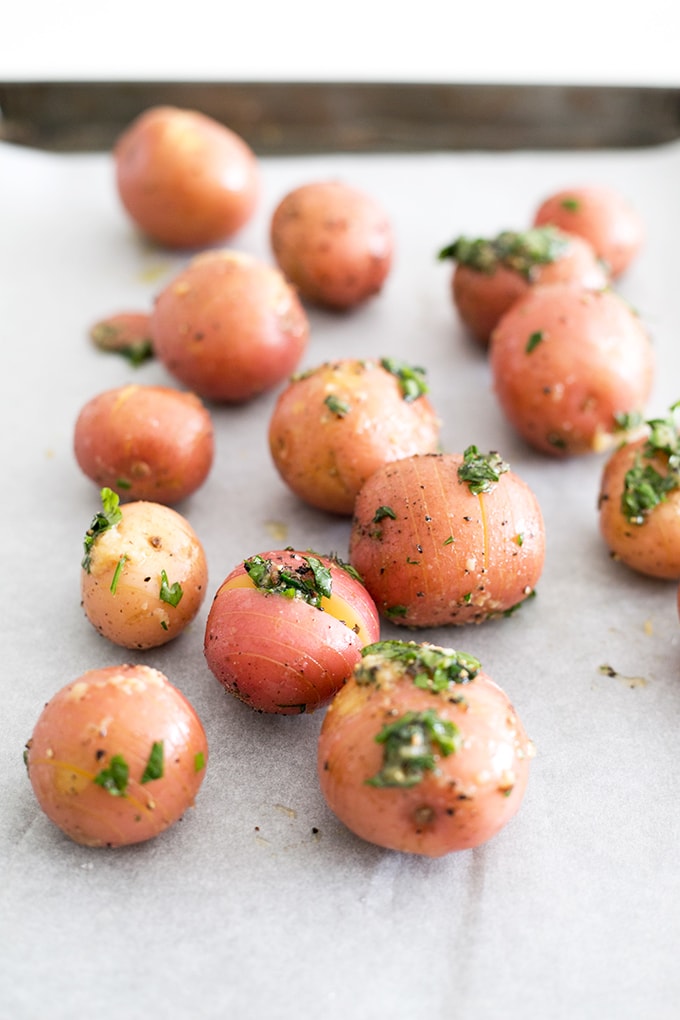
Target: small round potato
point(186, 180)
point(117, 756)
point(334, 425)
point(490, 275)
point(421, 752)
point(447, 539)
point(600, 215)
point(568, 366)
point(334, 242)
point(145, 442)
point(229, 327)
point(639, 502)
point(144, 573)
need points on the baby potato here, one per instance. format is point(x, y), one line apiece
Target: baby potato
point(639, 501)
point(447, 539)
point(568, 365)
point(144, 573)
point(286, 628)
point(334, 242)
point(145, 442)
point(229, 327)
point(600, 215)
point(421, 752)
point(117, 756)
point(185, 180)
point(490, 275)
point(335, 424)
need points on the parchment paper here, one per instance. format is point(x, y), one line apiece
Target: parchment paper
point(259, 903)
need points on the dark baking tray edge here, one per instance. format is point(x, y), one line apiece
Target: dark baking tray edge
point(313, 117)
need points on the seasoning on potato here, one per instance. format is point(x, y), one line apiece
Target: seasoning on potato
point(125, 333)
point(335, 424)
point(421, 752)
point(144, 572)
point(639, 500)
point(490, 274)
point(186, 180)
point(229, 327)
point(145, 442)
point(286, 628)
point(447, 539)
point(568, 365)
point(334, 242)
point(602, 216)
point(117, 756)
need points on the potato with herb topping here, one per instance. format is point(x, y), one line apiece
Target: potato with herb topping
point(421, 752)
point(639, 500)
point(117, 756)
point(144, 572)
point(447, 539)
point(335, 424)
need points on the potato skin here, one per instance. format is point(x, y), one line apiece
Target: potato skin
point(565, 363)
point(483, 298)
point(149, 539)
point(444, 555)
point(186, 180)
point(470, 796)
point(600, 215)
point(652, 547)
point(145, 442)
point(334, 242)
point(283, 655)
point(116, 711)
point(229, 327)
point(333, 426)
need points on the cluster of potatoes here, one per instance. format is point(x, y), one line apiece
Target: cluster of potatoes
point(419, 750)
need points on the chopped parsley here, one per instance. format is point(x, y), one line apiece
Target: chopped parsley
point(411, 379)
point(199, 761)
point(644, 486)
point(522, 251)
point(337, 406)
point(311, 581)
point(382, 512)
point(106, 518)
point(392, 612)
point(170, 593)
point(430, 667)
point(481, 471)
point(154, 765)
point(114, 779)
point(533, 341)
point(412, 745)
point(116, 574)
point(571, 204)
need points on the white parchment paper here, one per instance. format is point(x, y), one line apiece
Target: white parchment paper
point(259, 903)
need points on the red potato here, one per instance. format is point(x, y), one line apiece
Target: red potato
point(491, 275)
point(286, 628)
point(334, 425)
point(639, 501)
point(568, 365)
point(421, 752)
point(186, 180)
point(447, 539)
point(229, 327)
point(334, 242)
point(126, 333)
point(145, 442)
point(600, 215)
point(117, 756)
point(144, 573)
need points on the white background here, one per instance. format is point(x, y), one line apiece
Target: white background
point(590, 41)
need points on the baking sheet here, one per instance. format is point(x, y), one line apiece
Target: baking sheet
point(259, 903)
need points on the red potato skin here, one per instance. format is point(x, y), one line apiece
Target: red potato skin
point(483, 298)
point(152, 537)
point(186, 180)
point(281, 655)
point(116, 710)
point(651, 548)
point(145, 442)
point(594, 361)
point(448, 556)
point(325, 457)
point(600, 215)
point(468, 800)
point(334, 242)
point(229, 327)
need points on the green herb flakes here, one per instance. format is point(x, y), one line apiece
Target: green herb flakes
point(170, 593)
point(522, 252)
point(411, 379)
point(481, 471)
point(337, 406)
point(311, 581)
point(116, 574)
point(108, 517)
point(114, 779)
point(382, 512)
point(412, 745)
point(644, 486)
point(534, 340)
point(154, 765)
